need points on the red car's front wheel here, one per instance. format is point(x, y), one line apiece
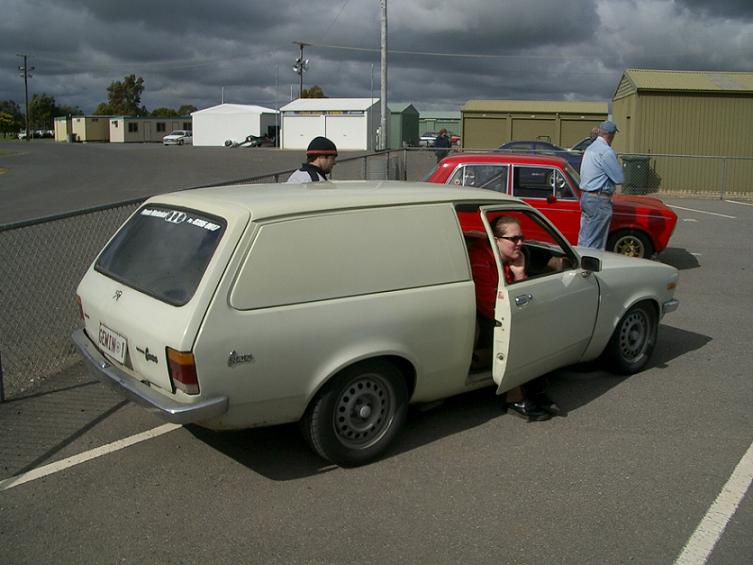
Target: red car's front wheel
point(631, 243)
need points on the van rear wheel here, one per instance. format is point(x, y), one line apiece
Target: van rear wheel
point(357, 414)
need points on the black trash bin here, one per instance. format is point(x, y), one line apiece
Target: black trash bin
point(71, 138)
point(635, 168)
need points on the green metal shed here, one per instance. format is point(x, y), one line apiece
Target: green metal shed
point(436, 120)
point(403, 127)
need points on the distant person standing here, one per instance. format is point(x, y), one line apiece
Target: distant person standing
point(321, 157)
point(443, 143)
point(600, 172)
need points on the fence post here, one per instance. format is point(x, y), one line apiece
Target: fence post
point(722, 175)
point(364, 167)
point(404, 176)
point(2, 386)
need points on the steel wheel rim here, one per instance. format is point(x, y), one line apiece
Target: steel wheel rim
point(364, 411)
point(634, 335)
point(629, 245)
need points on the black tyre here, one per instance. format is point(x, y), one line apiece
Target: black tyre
point(633, 340)
point(631, 243)
point(357, 414)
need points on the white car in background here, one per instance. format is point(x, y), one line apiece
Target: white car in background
point(178, 137)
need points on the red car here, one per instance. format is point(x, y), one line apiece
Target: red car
point(641, 225)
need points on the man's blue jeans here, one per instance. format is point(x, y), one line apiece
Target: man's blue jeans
point(595, 215)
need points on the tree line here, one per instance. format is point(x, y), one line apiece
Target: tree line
point(123, 99)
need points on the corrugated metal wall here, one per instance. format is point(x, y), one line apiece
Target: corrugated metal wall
point(689, 124)
point(490, 130)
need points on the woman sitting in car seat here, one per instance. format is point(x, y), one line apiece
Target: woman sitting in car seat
point(528, 401)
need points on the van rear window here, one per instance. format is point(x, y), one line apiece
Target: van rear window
point(163, 252)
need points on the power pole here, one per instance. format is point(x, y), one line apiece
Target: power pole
point(383, 94)
point(26, 74)
point(301, 65)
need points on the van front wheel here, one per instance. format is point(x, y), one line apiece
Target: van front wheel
point(357, 414)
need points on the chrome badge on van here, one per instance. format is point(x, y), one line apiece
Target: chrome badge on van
point(236, 358)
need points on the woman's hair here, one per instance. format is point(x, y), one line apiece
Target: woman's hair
point(499, 224)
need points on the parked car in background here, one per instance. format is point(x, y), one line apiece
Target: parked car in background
point(427, 139)
point(641, 226)
point(196, 307)
point(454, 139)
point(252, 141)
point(178, 137)
point(538, 147)
point(583, 144)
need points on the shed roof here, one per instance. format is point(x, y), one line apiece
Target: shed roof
point(537, 106)
point(683, 81)
point(235, 109)
point(329, 104)
point(441, 115)
point(400, 107)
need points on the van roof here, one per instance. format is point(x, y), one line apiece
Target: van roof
point(272, 200)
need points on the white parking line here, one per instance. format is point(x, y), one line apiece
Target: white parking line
point(708, 532)
point(703, 212)
point(40, 472)
point(741, 203)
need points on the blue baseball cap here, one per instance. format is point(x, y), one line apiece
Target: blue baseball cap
point(609, 127)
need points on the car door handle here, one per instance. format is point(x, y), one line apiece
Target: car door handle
point(523, 299)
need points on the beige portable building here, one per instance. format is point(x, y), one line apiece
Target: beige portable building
point(131, 129)
point(63, 128)
point(695, 113)
point(487, 124)
point(90, 128)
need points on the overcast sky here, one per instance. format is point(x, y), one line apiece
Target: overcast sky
point(442, 52)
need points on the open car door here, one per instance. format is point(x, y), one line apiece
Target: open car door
point(546, 320)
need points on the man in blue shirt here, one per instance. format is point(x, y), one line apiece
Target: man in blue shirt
point(600, 171)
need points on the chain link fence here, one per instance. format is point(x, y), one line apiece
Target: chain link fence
point(44, 260)
point(688, 175)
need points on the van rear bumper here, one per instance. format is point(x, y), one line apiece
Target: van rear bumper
point(154, 401)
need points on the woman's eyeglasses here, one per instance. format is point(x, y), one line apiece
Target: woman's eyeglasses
point(513, 238)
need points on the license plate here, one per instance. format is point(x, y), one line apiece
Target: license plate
point(113, 343)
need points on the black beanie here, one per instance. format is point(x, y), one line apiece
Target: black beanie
point(321, 146)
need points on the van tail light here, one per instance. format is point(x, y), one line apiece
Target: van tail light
point(80, 307)
point(182, 368)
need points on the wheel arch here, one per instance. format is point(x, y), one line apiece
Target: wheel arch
point(405, 366)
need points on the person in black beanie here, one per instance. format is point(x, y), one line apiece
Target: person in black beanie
point(321, 156)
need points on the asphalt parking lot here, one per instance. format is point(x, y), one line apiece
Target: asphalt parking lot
point(627, 476)
point(42, 178)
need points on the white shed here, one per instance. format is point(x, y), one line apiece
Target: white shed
point(213, 126)
point(351, 123)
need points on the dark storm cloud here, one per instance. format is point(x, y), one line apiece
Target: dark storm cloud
point(722, 8)
point(193, 52)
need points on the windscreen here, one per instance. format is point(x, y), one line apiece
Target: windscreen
point(162, 252)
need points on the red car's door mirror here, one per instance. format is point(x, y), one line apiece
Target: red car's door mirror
point(551, 198)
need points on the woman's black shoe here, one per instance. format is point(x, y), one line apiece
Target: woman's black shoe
point(546, 403)
point(529, 411)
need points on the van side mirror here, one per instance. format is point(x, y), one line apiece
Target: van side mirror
point(590, 264)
